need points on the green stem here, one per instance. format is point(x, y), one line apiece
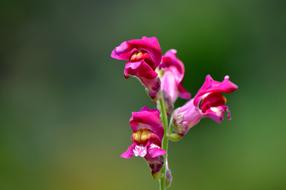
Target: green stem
point(164, 119)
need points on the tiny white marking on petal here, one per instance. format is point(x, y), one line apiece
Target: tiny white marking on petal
point(140, 151)
point(154, 146)
point(122, 47)
point(173, 51)
point(205, 95)
point(216, 110)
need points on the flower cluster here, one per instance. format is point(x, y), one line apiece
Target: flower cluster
point(162, 77)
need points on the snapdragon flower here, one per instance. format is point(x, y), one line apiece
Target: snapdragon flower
point(143, 57)
point(208, 102)
point(147, 134)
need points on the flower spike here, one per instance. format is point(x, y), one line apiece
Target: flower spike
point(162, 77)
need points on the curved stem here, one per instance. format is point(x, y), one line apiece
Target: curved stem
point(164, 119)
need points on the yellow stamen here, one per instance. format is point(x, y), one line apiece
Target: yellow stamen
point(224, 98)
point(136, 56)
point(141, 136)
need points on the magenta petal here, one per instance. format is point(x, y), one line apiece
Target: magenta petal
point(150, 45)
point(155, 151)
point(122, 52)
point(129, 152)
point(216, 113)
point(149, 119)
point(183, 93)
point(170, 60)
point(212, 86)
point(139, 69)
point(147, 44)
point(148, 77)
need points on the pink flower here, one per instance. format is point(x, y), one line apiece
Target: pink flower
point(143, 56)
point(147, 134)
point(208, 102)
point(171, 80)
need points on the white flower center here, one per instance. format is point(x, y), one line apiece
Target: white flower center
point(217, 111)
point(140, 151)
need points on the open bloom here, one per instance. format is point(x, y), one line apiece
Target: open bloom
point(208, 102)
point(147, 134)
point(142, 56)
point(173, 71)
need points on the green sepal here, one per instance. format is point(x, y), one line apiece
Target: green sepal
point(174, 137)
point(157, 175)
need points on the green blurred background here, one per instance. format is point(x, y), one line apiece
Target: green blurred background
point(65, 104)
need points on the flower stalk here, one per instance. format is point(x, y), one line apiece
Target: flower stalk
point(165, 141)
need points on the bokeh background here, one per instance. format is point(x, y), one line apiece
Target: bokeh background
point(65, 105)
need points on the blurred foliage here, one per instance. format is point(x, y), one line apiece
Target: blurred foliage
point(65, 104)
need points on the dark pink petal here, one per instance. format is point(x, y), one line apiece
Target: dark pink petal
point(123, 51)
point(147, 44)
point(217, 113)
point(129, 152)
point(155, 151)
point(170, 60)
point(211, 100)
point(144, 73)
point(139, 69)
point(151, 46)
point(183, 93)
point(147, 119)
point(212, 86)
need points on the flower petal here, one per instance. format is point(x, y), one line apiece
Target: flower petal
point(148, 44)
point(183, 93)
point(186, 117)
point(151, 46)
point(212, 86)
point(129, 152)
point(217, 113)
point(140, 150)
point(149, 119)
point(169, 86)
point(169, 60)
point(139, 69)
point(155, 151)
